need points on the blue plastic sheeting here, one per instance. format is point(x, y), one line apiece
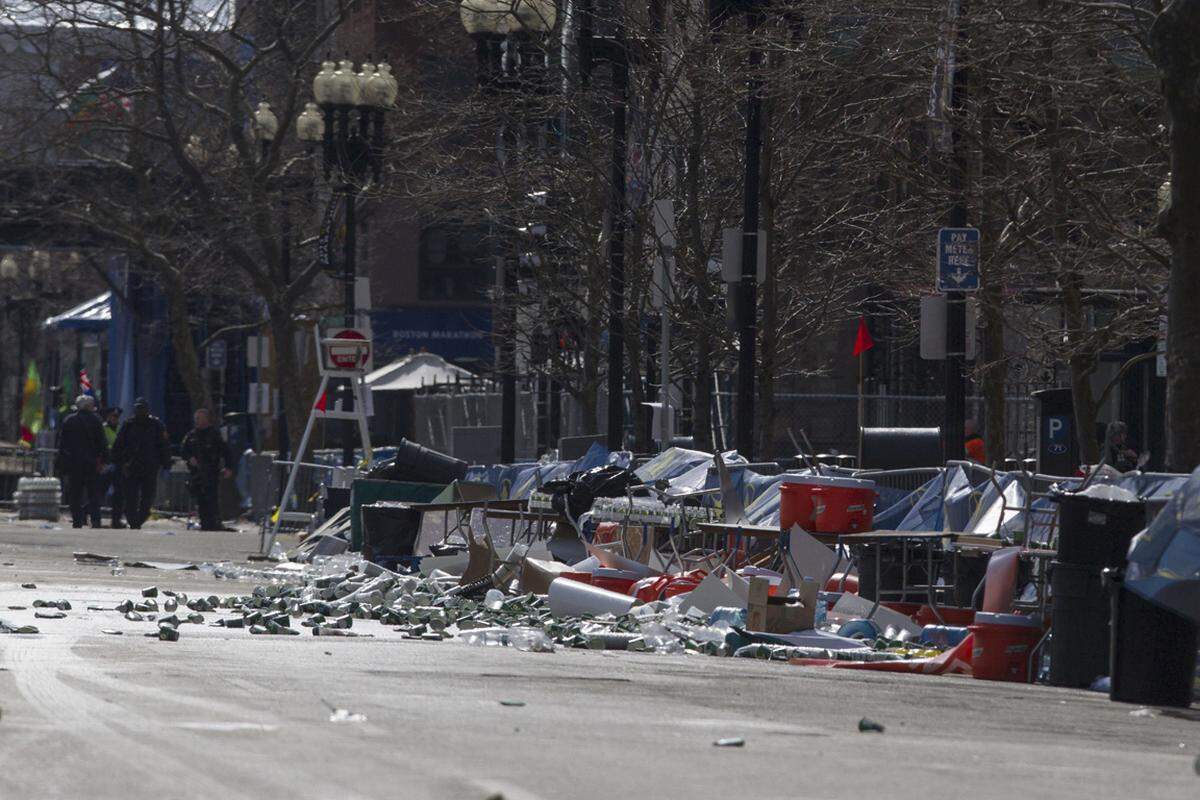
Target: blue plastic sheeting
point(1164, 559)
point(92, 316)
point(519, 481)
point(674, 461)
point(928, 514)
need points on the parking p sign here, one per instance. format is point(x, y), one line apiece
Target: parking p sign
point(1058, 434)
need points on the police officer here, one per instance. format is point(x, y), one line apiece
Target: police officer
point(140, 451)
point(82, 453)
point(208, 460)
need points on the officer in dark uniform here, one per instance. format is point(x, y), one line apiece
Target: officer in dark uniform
point(140, 451)
point(82, 452)
point(208, 460)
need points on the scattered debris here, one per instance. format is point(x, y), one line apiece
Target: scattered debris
point(1143, 712)
point(735, 741)
point(8, 627)
point(49, 615)
point(28, 585)
point(83, 557)
point(866, 725)
point(342, 715)
point(150, 591)
point(513, 703)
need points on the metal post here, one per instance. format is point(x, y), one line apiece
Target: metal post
point(616, 250)
point(508, 364)
point(285, 264)
point(664, 372)
point(748, 287)
point(349, 274)
point(956, 314)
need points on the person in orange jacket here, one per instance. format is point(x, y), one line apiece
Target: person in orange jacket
point(973, 442)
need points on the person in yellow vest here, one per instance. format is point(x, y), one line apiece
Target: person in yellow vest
point(112, 473)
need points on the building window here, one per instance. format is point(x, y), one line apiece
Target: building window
point(456, 263)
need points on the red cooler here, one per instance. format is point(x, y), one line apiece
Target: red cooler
point(1003, 643)
point(827, 504)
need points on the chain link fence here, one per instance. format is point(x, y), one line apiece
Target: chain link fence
point(831, 420)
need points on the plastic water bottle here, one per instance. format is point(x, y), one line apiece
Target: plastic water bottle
point(530, 640)
point(485, 637)
point(494, 599)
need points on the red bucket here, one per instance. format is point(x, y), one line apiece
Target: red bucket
point(1002, 646)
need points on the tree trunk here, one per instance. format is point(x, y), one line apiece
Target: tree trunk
point(994, 374)
point(1175, 45)
point(768, 329)
point(702, 398)
point(187, 359)
point(1081, 365)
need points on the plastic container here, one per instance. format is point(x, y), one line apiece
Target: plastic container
point(390, 531)
point(945, 636)
point(952, 616)
point(614, 580)
point(1096, 525)
point(414, 462)
point(1152, 652)
point(1002, 646)
point(1079, 647)
point(827, 504)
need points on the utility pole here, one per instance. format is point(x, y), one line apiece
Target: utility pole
point(956, 309)
point(747, 306)
point(616, 247)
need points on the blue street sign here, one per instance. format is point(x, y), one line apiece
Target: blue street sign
point(958, 260)
point(217, 355)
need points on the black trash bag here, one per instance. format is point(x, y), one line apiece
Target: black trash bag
point(574, 496)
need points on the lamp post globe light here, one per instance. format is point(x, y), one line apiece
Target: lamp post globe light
point(502, 29)
point(347, 119)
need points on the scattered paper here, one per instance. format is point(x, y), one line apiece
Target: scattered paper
point(342, 715)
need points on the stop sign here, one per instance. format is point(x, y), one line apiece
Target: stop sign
point(354, 356)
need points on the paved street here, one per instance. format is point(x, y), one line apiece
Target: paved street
point(222, 714)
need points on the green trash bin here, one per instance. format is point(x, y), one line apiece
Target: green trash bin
point(365, 491)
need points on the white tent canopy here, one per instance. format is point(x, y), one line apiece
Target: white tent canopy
point(416, 371)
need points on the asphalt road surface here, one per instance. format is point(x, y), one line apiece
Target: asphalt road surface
point(223, 714)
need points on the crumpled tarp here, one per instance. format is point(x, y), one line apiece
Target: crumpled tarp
point(1164, 559)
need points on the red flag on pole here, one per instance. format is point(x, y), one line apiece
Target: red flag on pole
point(320, 406)
point(863, 341)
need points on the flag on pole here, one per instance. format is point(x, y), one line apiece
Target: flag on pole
point(31, 406)
point(863, 341)
point(85, 384)
point(320, 405)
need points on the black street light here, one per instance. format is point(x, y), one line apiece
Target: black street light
point(502, 31)
point(348, 120)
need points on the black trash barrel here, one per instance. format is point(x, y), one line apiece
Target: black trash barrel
point(414, 462)
point(1096, 525)
point(390, 531)
point(899, 448)
point(1079, 646)
point(1153, 650)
